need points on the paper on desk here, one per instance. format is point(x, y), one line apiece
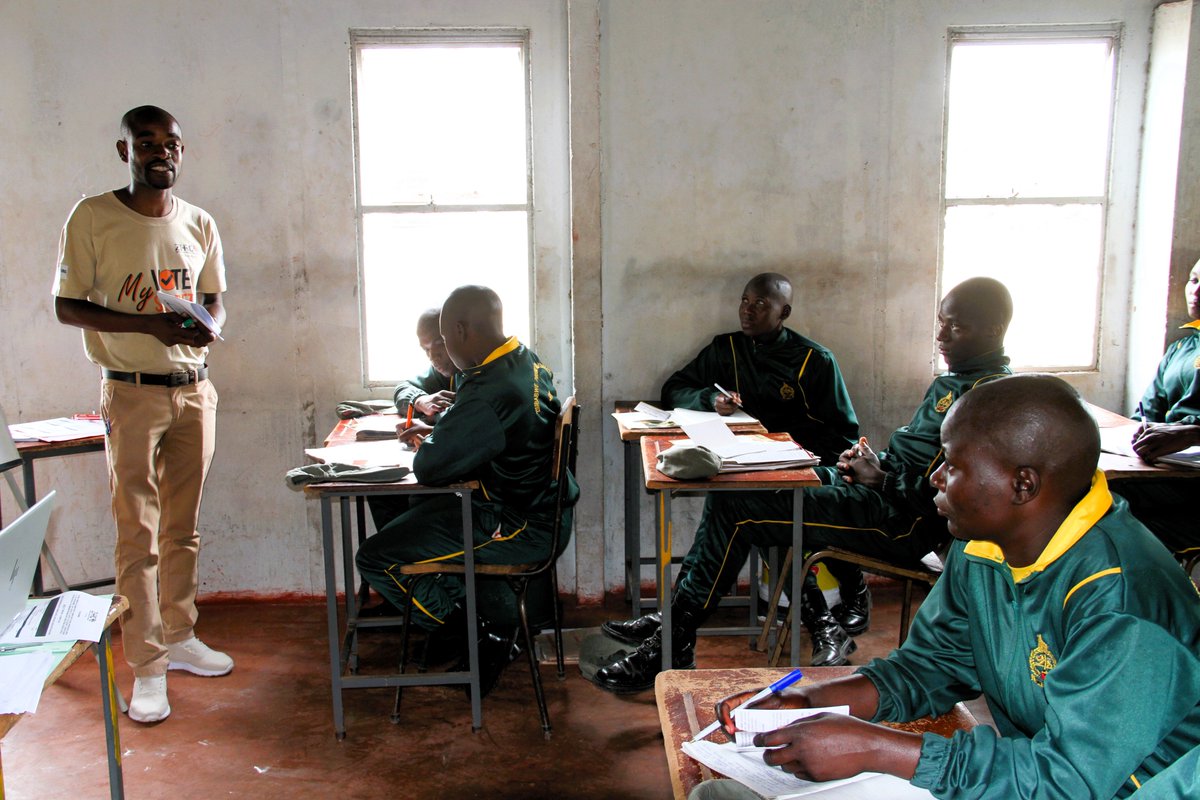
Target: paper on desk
point(760, 720)
point(384, 453)
point(647, 417)
point(21, 679)
point(1119, 439)
point(66, 617)
point(192, 310)
point(59, 429)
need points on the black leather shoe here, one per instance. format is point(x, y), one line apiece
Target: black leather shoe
point(854, 614)
point(495, 653)
point(832, 646)
point(636, 671)
point(633, 631)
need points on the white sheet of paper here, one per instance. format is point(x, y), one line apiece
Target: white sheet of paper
point(21, 679)
point(66, 617)
point(686, 416)
point(760, 720)
point(190, 309)
point(59, 429)
point(1119, 439)
point(384, 453)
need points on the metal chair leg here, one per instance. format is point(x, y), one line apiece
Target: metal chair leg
point(534, 672)
point(403, 654)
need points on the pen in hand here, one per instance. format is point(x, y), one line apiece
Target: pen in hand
point(408, 418)
point(774, 688)
point(727, 395)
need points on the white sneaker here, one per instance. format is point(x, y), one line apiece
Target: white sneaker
point(149, 703)
point(198, 658)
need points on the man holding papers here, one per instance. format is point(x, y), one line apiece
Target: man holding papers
point(879, 505)
point(116, 250)
point(1170, 416)
point(788, 382)
point(1075, 624)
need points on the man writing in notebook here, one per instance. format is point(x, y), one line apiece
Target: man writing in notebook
point(1076, 625)
point(159, 407)
point(878, 505)
point(1170, 416)
point(500, 431)
point(789, 383)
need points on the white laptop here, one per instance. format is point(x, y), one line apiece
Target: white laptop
point(20, 548)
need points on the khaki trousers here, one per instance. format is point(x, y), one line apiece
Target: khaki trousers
point(159, 445)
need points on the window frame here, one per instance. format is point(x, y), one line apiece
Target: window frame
point(1111, 32)
point(369, 38)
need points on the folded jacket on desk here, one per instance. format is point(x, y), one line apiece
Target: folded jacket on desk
point(299, 477)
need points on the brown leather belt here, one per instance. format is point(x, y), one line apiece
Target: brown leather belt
point(181, 378)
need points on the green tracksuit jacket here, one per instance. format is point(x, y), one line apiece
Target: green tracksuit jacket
point(791, 385)
point(431, 382)
point(1088, 660)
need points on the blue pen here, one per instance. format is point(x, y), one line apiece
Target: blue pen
point(774, 688)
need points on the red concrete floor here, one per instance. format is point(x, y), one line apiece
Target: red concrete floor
point(265, 731)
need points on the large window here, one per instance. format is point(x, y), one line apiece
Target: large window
point(444, 198)
point(1028, 129)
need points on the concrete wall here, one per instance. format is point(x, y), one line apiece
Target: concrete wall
point(712, 139)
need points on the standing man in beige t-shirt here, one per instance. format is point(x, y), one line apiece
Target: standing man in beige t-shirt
point(116, 251)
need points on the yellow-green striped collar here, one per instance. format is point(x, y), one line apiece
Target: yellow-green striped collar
point(1087, 512)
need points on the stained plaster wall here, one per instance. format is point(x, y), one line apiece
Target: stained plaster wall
point(712, 140)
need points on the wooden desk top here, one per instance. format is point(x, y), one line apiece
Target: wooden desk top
point(1118, 467)
point(633, 434)
point(50, 448)
point(761, 479)
point(706, 687)
point(344, 433)
point(119, 606)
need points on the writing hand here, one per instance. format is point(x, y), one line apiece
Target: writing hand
point(784, 699)
point(413, 436)
point(826, 747)
point(726, 405)
point(429, 404)
point(1153, 441)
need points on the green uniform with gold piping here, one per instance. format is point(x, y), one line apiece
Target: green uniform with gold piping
point(1088, 659)
point(1173, 396)
point(898, 524)
point(791, 384)
point(500, 431)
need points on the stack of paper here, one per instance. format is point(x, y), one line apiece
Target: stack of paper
point(645, 417)
point(60, 429)
point(747, 453)
point(375, 426)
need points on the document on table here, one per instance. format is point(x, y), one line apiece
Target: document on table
point(192, 310)
point(69, 616)
point(747, 453)
point(21, 678)
point(59, 429)
point(375, 427)
point(647, 417)
point(386, 453)
point(746, 766)
point(1119, 440)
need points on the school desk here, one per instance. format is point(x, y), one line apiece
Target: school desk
point(634, 559)
point(33, 451)
point(1118, 467)
point(666, 487)
point(343, 644)
point(108, 701)
point(687, 699)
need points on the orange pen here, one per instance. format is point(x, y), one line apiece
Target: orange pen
point(408, 418)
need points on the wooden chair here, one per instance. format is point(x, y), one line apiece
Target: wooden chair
point(519, 576)
point(908, 575)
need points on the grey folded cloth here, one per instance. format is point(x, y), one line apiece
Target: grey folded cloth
point(349, 409)
point(689, 462)
point(300, 477)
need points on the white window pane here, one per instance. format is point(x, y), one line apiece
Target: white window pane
point(1049, 258)
point(1028, 119)
point(442, 124)
point(412, 262)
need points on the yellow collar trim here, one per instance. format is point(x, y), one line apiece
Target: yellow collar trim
point(1194, 324)
point(502, 350)
point(1087, 512)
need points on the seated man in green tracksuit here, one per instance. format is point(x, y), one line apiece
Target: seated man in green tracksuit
point(1057, 605)
point(789, 383)
point(499, 431)
point(880, 506)
point(1170, 413)
point(429, 394)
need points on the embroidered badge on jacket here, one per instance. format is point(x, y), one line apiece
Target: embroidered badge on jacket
point(944, 404)
point(786, 392)
point(1041, 661)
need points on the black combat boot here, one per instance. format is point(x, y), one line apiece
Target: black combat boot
point(636, 672)
point(854, 612)
point(633, 631)
point(831, 644)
